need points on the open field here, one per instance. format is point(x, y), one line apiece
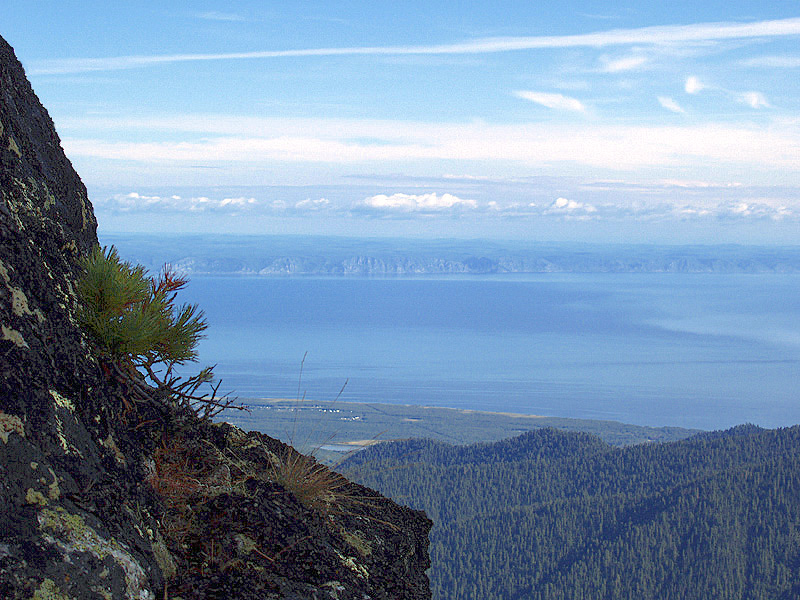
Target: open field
point(331, 430)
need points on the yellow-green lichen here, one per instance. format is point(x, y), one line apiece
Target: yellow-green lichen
point(12, 145)
point(164, 559)
point(49, 199)
point(19, 301)
point(62, 401)
point(85, 221)
point(112, 445)
point(13, 335)
point(70, 247)
point(244, 544)
point(351, 564)
point(10, 424)
point(19, 305)
point(334, 587)
point(49, 591)
point(70, 533)
point(62, 440)
point(53, 491)
point(357, 542)
point(34, 497)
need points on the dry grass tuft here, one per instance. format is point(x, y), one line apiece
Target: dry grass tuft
point(313, 484)
point(186, 475)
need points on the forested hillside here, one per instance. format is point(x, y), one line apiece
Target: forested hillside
point(559, 515)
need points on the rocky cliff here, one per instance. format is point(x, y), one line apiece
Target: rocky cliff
point(103, 495)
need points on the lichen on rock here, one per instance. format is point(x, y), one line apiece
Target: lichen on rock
point(35, 497)
point(13, 336)
point(48, 590)
point(70, 533)
point(10, 424)
point(62, 401)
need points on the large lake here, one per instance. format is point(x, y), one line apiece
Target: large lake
point(707, 351)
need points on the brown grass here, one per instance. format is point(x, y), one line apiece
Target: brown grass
point(313, 484)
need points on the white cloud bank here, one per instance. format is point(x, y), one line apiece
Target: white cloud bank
point(136, 202)
point(250, 141)
point(414, 203)
point(657, 35)
point(695, 201)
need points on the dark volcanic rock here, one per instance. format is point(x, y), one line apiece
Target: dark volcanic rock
point(106, 496)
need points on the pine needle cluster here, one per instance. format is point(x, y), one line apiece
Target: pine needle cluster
point(134, 316)
point(136, 323)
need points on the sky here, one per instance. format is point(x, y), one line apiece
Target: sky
point(592, 121)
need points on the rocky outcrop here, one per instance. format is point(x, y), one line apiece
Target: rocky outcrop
point(107, 496)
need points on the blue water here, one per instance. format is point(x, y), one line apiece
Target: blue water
point(707, 351)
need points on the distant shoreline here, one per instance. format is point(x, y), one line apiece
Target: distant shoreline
point(330, 429)
point(275, 256)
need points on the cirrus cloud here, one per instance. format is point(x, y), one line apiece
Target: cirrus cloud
point(555, 101)
point(654, 35)
point(620, 65)
point(670, 104)
point(754, 100)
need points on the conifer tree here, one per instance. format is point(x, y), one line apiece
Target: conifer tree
point(140, 330)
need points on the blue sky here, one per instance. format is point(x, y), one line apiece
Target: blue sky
point(625, 121)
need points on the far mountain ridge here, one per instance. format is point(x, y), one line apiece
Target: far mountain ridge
point(198, 255)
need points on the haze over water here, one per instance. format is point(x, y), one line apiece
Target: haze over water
point(707, 351)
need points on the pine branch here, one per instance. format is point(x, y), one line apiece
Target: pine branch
point(135, 322)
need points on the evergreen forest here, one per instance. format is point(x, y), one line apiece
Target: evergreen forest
point(563, 515)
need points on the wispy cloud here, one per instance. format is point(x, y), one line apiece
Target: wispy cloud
point(220, 16)
point(658, 35)
point(670, 104)
point(340, 141)
point(778, 62)
point(754, 100)
point(556, 101)
point(620, 65)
